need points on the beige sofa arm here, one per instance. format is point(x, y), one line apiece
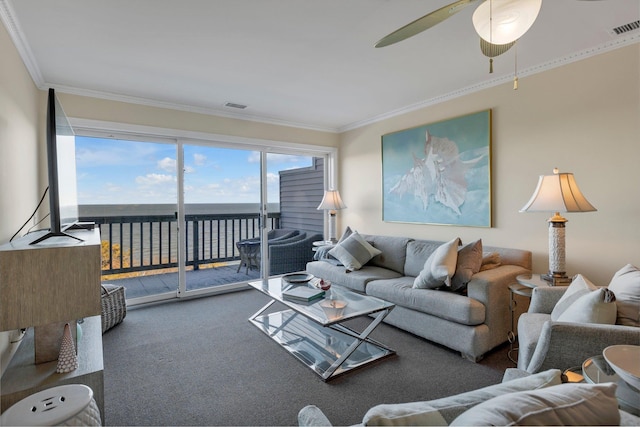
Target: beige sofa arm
point(564, 345)
point(544, 299)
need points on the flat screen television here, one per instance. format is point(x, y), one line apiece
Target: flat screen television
point(61, 164)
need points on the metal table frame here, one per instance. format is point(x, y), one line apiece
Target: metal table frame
point(326, 346)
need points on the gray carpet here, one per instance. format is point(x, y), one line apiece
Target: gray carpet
point(200, 362)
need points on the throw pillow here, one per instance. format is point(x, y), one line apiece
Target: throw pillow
point(626, 285)
point(468, 264)
point(429, 413)
point(439, 267)
point(354, 252)
point(579, 286)
point(565, 404)
point(347, 232)
point(490, 260)
point(594, 307)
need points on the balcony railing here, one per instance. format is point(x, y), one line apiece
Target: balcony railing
point(136, 243)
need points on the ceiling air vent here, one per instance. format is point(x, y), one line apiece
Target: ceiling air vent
point(626, 28)
point(234, 105)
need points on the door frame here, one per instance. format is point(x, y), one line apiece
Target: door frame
point(103, 129)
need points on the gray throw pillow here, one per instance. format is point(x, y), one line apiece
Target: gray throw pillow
point(439, 267)
point(626, 285)
point(579, 286)
point(593, 307)
point(468, 264)
point(354, 252)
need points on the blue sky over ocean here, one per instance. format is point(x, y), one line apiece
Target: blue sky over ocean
point(111, 171)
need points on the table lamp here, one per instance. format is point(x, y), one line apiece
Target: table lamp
point(557, 193)
point(332, 202)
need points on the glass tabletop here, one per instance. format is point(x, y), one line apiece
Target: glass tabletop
point(325, 311)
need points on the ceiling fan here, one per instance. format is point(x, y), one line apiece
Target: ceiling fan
point(498, 22)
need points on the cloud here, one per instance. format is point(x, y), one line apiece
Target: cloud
point(167, 164)
point(154, 179)
point(199, 159)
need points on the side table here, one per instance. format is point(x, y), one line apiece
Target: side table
point(524, 287)
point(522, 290)
point(596, 370)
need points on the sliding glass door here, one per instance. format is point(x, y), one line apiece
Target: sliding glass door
point(182, 217)
point(128, 188)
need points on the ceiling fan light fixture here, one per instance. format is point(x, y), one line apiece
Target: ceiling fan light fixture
point(505, 21)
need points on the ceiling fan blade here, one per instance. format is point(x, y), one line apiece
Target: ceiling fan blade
point(424, 23)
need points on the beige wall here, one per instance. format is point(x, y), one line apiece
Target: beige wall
point(120, 112)
point(582, 118)
point(21, 108)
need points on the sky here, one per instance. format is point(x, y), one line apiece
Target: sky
point(111, 171)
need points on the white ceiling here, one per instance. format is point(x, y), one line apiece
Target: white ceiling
point(306, 63)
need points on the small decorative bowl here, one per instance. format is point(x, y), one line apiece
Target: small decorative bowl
point(333, 308)
point(625, 360)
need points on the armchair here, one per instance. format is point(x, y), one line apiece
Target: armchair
point(544, 343)
point(290, 255)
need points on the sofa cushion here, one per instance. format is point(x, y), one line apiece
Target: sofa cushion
point(626, 286)
point(354, 252)
point(394, 250)
point(439, 267)
point(417, 253)
point(440, 303)
point(421, 413)
point(594, 307)
point(468, 264)
point(354, 280)
point(564, 404)
point(579, 286)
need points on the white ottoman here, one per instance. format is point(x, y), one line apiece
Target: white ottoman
point(68, 405)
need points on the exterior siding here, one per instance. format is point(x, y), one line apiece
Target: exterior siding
point(301, 192)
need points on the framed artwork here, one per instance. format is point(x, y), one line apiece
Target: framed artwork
point(439, 173)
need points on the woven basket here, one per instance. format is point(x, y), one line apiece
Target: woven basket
point(114, 306)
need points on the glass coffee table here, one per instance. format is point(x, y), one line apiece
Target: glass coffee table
point(316, 335)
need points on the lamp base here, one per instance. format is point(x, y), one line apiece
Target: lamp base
point(556, 278)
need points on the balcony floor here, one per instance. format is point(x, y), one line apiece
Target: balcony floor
point(153, 284)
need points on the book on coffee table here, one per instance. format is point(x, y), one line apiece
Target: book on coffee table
point(303, 293)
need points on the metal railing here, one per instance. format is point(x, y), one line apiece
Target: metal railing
point(136, 243)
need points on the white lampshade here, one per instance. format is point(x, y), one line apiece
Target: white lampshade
point(331, 201)
point(557, 193)
point(505, 21)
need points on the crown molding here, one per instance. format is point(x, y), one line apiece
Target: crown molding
point(13, 28)
point(17, 36)
point(549, 65)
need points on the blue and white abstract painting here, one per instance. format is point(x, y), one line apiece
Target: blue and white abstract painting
point(439, 173)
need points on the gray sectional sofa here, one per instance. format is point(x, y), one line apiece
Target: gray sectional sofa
point(471, 323)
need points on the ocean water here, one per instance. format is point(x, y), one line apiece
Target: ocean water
point(153, 243)
point(171, 209)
